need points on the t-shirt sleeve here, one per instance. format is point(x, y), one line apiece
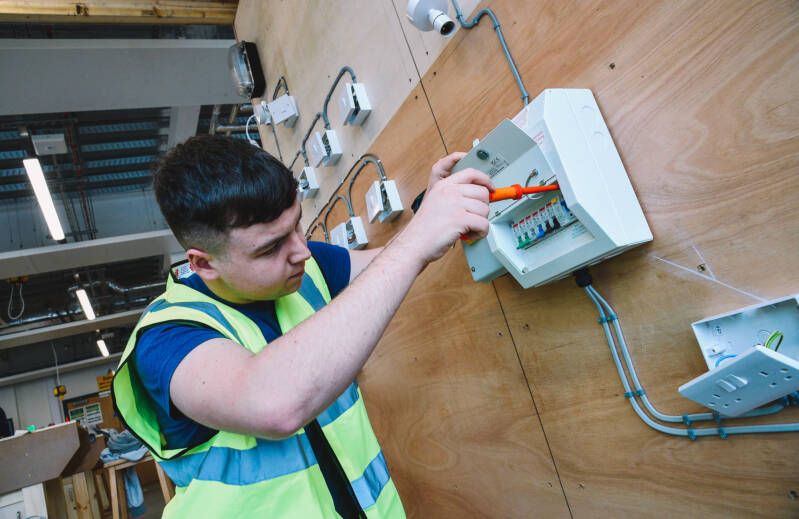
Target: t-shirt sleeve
point(334, 261)
point(158, 353)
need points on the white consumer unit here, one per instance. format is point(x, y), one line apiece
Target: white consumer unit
point(308, 183)
point(383, 200)
point(354, 104)
point(324, 148)
point(350, 234)
point(751, 355)
point(559, 138)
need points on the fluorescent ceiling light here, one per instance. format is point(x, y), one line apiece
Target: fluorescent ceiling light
point(83, 299)
point(103, 348)
point(36, 176)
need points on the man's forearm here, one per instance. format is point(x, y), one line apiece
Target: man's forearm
point(310, 366)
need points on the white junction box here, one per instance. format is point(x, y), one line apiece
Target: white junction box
point(308, 183)
point(559, 138)
point(354, 105)
point(350, 234)
point(284, 110)
point(383, 200)
point(324, 148)
point(743, 372)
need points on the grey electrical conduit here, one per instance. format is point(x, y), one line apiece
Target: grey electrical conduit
point(324, 230)
point(686, 418)
point(305, 139)
point(281, 81)
point(332, 89)
point(296, 156)
point(333, 203)
point(692, 433)
point(367, 159)
point(490, 14)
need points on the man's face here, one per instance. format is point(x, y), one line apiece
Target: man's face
point(264, 261)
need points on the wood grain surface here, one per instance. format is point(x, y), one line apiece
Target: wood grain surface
point(701, 99)
point(702, 103)
point(444, 387)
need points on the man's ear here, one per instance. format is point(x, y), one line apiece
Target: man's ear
point(201, 263)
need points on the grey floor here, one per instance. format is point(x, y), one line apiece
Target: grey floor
point(153, 501)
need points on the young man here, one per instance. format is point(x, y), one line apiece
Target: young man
point(240, 378)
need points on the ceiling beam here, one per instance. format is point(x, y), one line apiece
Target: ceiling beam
point(53, 258)
point(47, 333)
point(168, 12)
point(64, 368)
point(133, 73)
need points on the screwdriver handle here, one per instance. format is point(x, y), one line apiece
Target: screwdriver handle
point(516, 191)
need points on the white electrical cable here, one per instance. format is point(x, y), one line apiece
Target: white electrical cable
point(247, 131)
point(11, 303)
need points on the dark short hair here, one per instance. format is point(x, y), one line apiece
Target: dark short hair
point(211, 184)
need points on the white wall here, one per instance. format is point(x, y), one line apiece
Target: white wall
point(33, 403)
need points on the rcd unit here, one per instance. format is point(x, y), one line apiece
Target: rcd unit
point(559, 138)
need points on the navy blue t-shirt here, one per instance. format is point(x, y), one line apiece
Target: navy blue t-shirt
point(161, 348)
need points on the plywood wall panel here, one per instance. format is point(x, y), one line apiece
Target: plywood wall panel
point(701, 101)
point(696, 98)
point(444, 388)
point(308, 43)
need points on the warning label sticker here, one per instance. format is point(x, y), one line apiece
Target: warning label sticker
point(496, 164)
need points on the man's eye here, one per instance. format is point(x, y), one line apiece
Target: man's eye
point(270, 251)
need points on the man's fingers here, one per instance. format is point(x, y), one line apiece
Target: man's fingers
point(446, 164)
point(476, 207)
point(474, 191)
point(473, 176)
point(476, 226)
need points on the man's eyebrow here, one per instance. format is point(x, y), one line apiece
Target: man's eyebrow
point(274, 241)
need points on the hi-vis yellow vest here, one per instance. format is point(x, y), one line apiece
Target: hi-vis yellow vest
point(237, 476)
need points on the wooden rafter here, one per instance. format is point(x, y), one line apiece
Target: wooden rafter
point(173, 12)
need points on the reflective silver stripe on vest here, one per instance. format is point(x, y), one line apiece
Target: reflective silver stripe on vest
point(311, 293)
point(207, 308)
point(268, 459)
point(368, 487)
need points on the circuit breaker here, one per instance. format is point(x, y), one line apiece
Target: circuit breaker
point(324, 148)
point(559, 138)
point(354, 105)
point(350, 234)
point(308, 183)
point(383, 201)
point(752, 357)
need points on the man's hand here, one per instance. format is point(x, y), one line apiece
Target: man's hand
point(443, 168)
point(454, 206)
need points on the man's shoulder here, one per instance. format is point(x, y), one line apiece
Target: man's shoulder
point(334, 262)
